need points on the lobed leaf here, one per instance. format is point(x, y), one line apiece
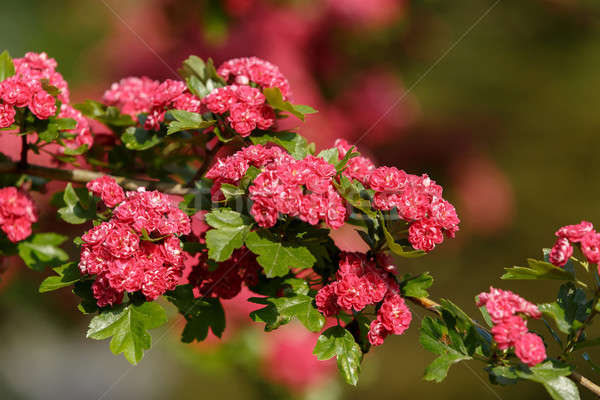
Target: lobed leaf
point(339, 342)
point(41, 250)
point(67, 275)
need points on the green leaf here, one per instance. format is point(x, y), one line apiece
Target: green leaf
point(185, 120)
point(41, 250)
point(275, 99)
point(569, 310)
point(553, 378)
point(538, 270)
point(231, 191)
point(67, 275)
point(200, 314)
point(501, 375)
point(277, 257)
point(110, 116)
point(79, 206)
point(229, 233)
point(128, 326)
point(83, 289)
point(341, 164)
point(295, 144)
point(339, 342)
point(140, 139)
point(7, 68)
point(397, 248)
point(330, 155)
point(281, 310)
point(416, 287)
point(435, 337)
point(356, 195)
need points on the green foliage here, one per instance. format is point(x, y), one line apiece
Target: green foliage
point(140, 139)
point(200, 314)
point(553, 378)
point(275, 100)
point(397, 248)
point(41, 250)
point(341, 164)
point(110, 116)
point(538, 270)
point(295, 304)
point(330, 155)
point(277, 257)
point(569, 310)
point(339, 342)
point(356, 195)
point(128, 326)
point(185, 120)
point(79, 205)
point(436, 338)
point(295, 144)
point(83, 289)
point(49, 130)
point(201, 77)
point(416, 286)
point(230, 231)
point(7, 68)
point(66, 275)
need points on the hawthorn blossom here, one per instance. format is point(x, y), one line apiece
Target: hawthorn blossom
point(17, 213)
point(138, 249)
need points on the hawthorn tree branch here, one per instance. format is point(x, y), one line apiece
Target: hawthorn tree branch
point(209, 155)
point(84, 176)
point(576, 377)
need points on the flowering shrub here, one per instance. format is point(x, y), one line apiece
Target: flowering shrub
point(258, 205)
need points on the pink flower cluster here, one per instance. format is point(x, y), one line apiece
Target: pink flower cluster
point(506, 310)
point(138, 249)
point(24, 89)
point(226, 280)
point(582, 233)
point(298, 188)
point(418, 199)
point(17, 213)
point(245, 107)
point(82, 135)
point(243, 71)
point(359, 283)
point(142, 95)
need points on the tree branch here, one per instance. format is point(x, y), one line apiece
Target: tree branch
point(433, 307)
point(84, 176)
point(208, 159)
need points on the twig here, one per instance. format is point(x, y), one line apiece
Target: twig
point(84, 176)
point(433, 307)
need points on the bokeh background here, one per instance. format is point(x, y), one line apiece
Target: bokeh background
point(497, 100)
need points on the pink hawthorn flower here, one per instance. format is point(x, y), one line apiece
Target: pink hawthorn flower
point(43, 105)
point(590, 246)
point(502, 304)
point(7, 115)
point(242, 71)
point(575, 233)
point(425, 234)
point(82, 132)
point(530, 349)
point(17, 213)
point(108, 190)
point(326, 300)
point(16, 91)
point(560, 252)
point(507, 332)
point(118, 254)
point(377, 332)
point(394, 314)
point(132, 95)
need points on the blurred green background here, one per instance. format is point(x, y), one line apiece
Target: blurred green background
point(504, 114)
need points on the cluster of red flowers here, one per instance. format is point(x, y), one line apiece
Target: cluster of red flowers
point(245, 106)
point(417, 199)
point(138, 249)
point(298, 188)
point(359, 283)
point(582, 233)
point(143, 95)
point(17, 213)
point(226, 280)
point(243, 71)
point(24, 89)
point(506, 309)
